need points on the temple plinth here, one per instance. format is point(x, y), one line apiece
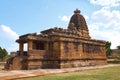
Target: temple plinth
point(60, 48)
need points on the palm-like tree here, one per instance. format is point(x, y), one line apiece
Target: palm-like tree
point(108, 49)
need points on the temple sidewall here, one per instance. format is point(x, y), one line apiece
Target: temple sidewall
point(72, 54)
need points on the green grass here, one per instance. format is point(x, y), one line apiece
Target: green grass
point(111, 73)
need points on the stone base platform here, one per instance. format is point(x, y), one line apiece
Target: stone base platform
point(19, 74)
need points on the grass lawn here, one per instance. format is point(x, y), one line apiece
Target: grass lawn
point(111, 73)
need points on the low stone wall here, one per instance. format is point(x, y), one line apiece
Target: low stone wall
point(113, 61)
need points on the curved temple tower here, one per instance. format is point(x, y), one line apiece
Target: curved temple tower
point(59, 48)
point(78, 23)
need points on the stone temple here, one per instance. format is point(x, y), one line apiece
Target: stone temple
point(59, 48)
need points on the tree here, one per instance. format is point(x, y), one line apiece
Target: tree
point(108, 49)
point(3, 53)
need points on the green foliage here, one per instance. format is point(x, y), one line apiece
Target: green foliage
point(108, 50)
point(118, 47)
point(3, 53)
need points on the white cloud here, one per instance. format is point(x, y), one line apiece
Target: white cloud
point(108, 35)
point(105, 25)
point(64, 18)
point(6, 31)
point(107, 19)
point(86, 17)
point(13, 47)
point(109, 3)
point(8, 37)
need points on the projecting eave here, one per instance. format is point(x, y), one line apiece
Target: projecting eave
point(33, 37)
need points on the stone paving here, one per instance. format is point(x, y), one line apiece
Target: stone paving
point(18, 74)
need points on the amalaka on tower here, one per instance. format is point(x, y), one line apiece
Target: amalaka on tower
point(59, 48)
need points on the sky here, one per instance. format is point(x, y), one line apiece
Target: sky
point(18, 17)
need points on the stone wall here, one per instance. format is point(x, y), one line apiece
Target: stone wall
point(75, 53)
point(81, 63)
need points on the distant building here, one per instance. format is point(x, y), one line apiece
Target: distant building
point(115, 53)
point(60, 48)
point(13, 53)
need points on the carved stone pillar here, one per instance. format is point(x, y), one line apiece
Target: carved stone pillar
point(46, 46)
point(30, 45)
point(21, 47)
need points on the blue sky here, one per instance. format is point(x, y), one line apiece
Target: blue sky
point(18, 17)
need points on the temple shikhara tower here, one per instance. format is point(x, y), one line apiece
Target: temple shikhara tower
point(59, 48)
